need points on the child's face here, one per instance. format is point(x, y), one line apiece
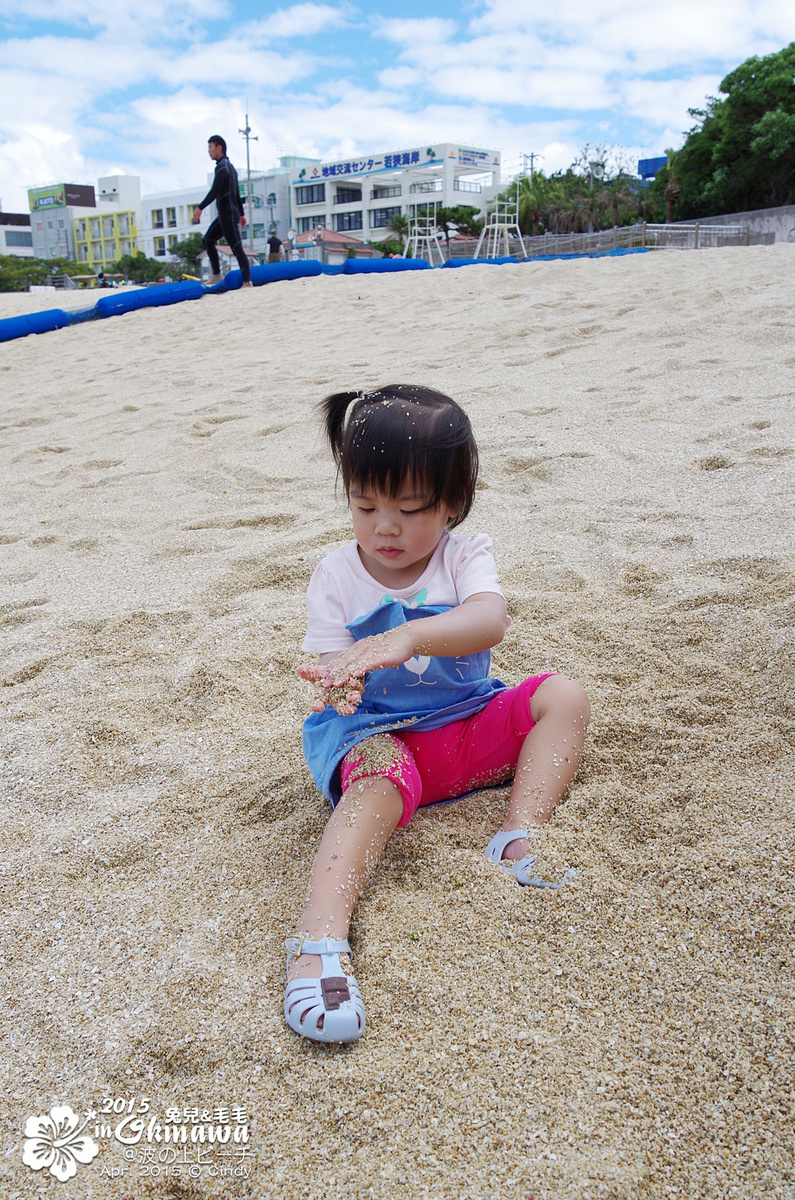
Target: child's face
point(396, 536)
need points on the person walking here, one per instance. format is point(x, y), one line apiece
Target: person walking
point(225, 191)
point(274, 249)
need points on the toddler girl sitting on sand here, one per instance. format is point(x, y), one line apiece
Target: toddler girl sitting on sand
point(405, 713)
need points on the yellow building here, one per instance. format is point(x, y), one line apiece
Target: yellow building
point(102, 240)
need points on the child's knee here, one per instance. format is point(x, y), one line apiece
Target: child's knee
point(383, 756)
point(563, 697)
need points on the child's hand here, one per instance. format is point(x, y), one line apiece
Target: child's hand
point(345, 697)
point(340, 681)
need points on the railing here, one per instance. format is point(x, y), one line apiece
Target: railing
point(384, 193)
point(434, 186)
point(347, 199)
point(63, 282)
point(645, 236)
point(464, 185)
point(628, 237)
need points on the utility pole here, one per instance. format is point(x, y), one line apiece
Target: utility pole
point(247, 135)
point(531, 158)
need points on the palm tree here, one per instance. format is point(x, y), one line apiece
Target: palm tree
point(400, 227)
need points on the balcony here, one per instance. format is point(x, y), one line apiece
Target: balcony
point(434, 186)
point(464, 185)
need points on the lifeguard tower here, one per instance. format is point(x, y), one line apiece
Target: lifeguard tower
point(423, 240)
point(501, 226)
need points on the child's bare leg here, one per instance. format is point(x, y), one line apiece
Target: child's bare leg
point(549, 757)
point(352, 844)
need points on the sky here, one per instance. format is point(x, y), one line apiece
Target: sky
point(99, 87)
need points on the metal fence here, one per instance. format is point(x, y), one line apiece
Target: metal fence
point(628, 237)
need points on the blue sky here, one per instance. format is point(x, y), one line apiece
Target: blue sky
point(92, 87)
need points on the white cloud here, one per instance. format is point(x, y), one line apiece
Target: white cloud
point(303, 20)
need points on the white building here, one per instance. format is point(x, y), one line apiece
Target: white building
point(167, 215)
point(15, 234)
point(362, 195)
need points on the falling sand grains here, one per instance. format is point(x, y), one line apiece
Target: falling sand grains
point(627, 1037)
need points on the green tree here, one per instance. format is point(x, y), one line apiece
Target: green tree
point(18, 274)
point(140, 269)
point(461, 218)
point(400, 227)
point(741, 153)
point(187, 254)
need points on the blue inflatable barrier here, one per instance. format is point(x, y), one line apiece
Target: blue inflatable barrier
point(480, 262)
point(276, 272)
point(165, 293)
point(382, 266)
point(40, 322)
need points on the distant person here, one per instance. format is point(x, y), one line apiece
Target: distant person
point(274, 249)
point(231, 219)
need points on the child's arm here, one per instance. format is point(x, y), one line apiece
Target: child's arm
point(477, 624)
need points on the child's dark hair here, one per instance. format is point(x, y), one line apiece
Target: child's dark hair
point(218, 140)
point(403, 432)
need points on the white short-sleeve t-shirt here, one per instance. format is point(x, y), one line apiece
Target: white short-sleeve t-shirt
point(341, 590)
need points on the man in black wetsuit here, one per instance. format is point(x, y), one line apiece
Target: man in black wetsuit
point(226, 194)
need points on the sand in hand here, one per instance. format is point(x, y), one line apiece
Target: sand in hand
point(166, 495)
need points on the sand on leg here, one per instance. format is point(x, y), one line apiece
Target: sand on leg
point(350, 849)
point(549, 758)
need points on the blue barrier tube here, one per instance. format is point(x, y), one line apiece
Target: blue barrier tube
point(154, 297)
point(40, 322)
point(383, 266)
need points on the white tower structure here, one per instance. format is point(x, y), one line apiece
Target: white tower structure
point(501, 225)
point(423, 239)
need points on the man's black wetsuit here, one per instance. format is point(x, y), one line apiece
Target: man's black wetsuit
point(226, 194)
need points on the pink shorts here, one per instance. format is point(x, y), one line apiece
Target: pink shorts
point(441, 764)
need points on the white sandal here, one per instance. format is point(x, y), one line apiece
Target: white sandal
point(523, 870)
point(328, 1009)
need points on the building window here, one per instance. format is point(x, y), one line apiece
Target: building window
point(93, 225)
point(60, 224)
point(349, 220)
point(49, 224)
point(307, 224)
point(172, 241)
point(14, 238)
point(171, 217)
point(380, 217)
point(315, 193)
point(124, 223)
point(96, 250)
point(124, 249)
point(259, 231)
point(82, 254)
point(107, 227)
point(384, 193)
point(434, 186)
point(40, 227)
point(157, 218)
point(271, 201)
point(348, 195)
point(160, 247)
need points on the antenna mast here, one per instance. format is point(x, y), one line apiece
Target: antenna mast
point(249, 138)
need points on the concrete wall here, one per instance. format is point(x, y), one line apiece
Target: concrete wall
point(780, 221)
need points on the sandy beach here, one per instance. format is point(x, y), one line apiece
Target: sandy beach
point(165, 497)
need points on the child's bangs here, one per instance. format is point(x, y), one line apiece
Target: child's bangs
point(386, 451)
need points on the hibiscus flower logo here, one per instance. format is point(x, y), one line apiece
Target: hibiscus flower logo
point(58, 1143)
